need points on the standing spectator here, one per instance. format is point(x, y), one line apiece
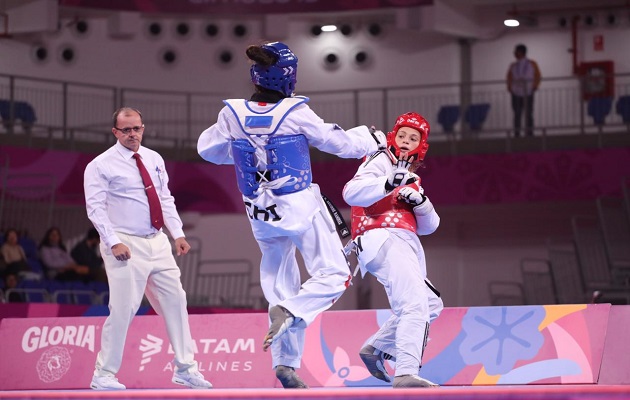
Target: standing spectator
point(128, 201)
point(13, 254)
point(389, 210)
point(57, 262)
point(86, 253)
point(523, 79)
point(267, 138)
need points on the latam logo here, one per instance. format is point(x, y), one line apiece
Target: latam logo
point(152, 345)
point(36, 337)
point(149, 346)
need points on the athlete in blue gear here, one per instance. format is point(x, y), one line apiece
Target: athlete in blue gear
point(267, 138)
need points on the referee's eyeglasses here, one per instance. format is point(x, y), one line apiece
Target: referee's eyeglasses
point(127, 131)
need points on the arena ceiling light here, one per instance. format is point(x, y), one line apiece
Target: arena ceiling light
point(511, 22)
point(329, 28)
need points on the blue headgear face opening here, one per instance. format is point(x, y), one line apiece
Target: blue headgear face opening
point(281, 76)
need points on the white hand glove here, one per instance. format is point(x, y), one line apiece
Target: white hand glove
point(404, 162)
point(379, 137)
point(399, 177)
point(412, 196)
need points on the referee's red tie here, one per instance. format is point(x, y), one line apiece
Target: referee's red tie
point(155, 209)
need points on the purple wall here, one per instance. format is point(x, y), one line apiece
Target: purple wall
point(571, 175)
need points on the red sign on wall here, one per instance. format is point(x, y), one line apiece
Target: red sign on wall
point(598, 42)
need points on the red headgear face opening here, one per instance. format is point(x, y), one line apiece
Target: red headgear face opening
point(415, 121)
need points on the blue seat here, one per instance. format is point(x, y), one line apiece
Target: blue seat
point(476, 115)
point(27, 295)
point(599, 108)
point(82, 293)
point(623, 108)
point(5, 106)
point(29, 246)
point(448, 116)
point(25, 112)
point(98, 287)
point(59, 291)
point(36, 265)
point(33, 291)
point(21, 111)
point(30, 284)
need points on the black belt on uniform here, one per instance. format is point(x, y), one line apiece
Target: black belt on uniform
point(340, 223)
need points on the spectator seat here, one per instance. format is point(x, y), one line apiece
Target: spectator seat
point(29, 246)
point(21, 110)
point(447, 117)
point(476, 115)
point(623, 108)
point(599, 108)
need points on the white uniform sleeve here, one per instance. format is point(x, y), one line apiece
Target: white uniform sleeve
point(427, 219)
point(330, 138)
point(214, 143)
point(368, 184)
point(95, 185)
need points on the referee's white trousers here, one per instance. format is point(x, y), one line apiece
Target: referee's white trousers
point(401, 268)
point(152, 268)
point(325, 262)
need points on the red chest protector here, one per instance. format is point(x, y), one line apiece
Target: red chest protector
point(389, 212)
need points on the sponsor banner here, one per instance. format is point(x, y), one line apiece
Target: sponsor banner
point(59, 353)
point(242, 6)
point(467, 346)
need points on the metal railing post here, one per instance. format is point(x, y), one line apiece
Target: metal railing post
point(64, 123)
point(188, 124)
point(385, 107)
point(11, 127)
point(355, 97)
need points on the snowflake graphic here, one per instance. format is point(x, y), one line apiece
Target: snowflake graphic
point(498, 337)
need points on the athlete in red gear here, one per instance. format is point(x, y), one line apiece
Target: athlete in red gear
point(389, 210)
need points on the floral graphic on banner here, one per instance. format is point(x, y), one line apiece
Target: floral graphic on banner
point(476, 345)
point(572, 175)
point(494, 177)
point(497, 340)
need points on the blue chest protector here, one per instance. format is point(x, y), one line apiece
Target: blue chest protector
point(288, 168)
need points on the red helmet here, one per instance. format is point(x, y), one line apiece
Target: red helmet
point(415, 121)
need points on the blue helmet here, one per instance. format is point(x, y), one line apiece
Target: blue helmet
point(282, 75)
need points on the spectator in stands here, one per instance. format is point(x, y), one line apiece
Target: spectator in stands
point(13, 254)
point(129, 202)
point(86, 253)
point(523, 79)
point(57, 262)
point(11, 282)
